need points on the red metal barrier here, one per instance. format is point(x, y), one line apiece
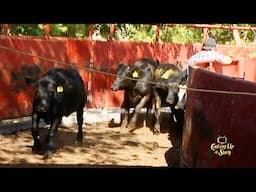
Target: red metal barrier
point(16, 96)
point(212, 117)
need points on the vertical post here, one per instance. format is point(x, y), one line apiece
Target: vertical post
point(206, 34)
point(6, 29)
point(89, 86)
point(47, 30)
point(112, 32)
point(91, 31)
point(236, 36)
point(158, 32)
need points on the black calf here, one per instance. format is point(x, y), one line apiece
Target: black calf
point(59, 93)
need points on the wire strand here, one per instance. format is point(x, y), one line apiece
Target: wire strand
point(115, 75)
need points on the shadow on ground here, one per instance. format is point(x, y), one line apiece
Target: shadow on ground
point(170, 126)
point(102, 146)
point(172, 155)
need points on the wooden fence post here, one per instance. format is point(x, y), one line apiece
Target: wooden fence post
point(158, 32)
point(6, 29)
point(47, 30)
point(91, 31)
point(112, 32)
point(89, 86)
point(206, 34)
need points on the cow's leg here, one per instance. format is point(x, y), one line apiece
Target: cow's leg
point(148, 112)
point(80, 120)
point(149, 109)
point(35, 132)
point(50, 137)
point(125, 114)
point(125, 118)
point(174, 113)
point(157, 112)
point(172, 99)
point(137, 110)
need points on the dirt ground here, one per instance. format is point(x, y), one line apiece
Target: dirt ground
point(102, 146)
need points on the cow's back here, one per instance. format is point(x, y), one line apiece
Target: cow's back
point(72, 93)
point(166, 71)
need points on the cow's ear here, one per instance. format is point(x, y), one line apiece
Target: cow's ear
point(31, 81)
point(121, 64)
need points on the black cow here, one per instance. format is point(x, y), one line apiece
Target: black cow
point(59, 93)
point(167, 78)
point(124, 82)
point(182, 90)
point(138, 92)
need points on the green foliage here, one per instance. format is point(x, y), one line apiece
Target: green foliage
point(139, 32)
point(102, 29)
point(181, 34)
point(247, 36)
point(178, 33)
point(59, 30)
point(78, 30)
point(27, 29)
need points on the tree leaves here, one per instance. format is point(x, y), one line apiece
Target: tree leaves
point(175, 33)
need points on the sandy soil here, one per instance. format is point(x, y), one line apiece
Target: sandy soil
point(102, 146)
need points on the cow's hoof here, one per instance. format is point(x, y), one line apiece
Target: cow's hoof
point(36, 148)
point(112, 123)
point(132, 129)
point(156, 132)
point(48, 155)
point(79, 140)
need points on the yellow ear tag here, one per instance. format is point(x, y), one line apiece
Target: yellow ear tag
point(167, 74)
point(135, 74)
point(59, 89)
point(158, 72)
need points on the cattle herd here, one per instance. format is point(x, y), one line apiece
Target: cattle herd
point(151, 85)
point(147, 83)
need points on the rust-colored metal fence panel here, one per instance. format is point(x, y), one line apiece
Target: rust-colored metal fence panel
point(246, 57)
point(212, 115)
point(78, 52)
point(249, 60)
point(105, 56)
point(15, 95)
